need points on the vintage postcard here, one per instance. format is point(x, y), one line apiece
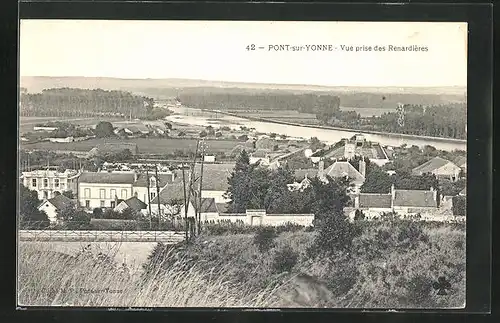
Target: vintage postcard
point(244, 164)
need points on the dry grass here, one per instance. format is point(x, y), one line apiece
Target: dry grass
point(384, 269)
point(49, 278)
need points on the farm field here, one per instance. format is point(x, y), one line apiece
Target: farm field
point(308, 118)
point(26, 124)
point(145, 145)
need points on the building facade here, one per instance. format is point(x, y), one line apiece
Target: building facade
point(103, 190)
point(47, 183)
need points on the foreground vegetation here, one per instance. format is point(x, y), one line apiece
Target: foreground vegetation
point(389, 263)
point(90, 278)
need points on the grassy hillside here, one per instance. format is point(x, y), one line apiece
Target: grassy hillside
point(390, 265)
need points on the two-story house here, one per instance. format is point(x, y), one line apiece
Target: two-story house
point(47, 183)
point(101, 189)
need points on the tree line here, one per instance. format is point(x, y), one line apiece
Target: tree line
point(322, 105)
point(74, 102)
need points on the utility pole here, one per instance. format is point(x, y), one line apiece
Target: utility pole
point(149, 198)
point(185, 202)
point(158, 194)
point(201, 185)
point(191, 180)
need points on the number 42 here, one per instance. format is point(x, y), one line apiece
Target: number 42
point(251, 47)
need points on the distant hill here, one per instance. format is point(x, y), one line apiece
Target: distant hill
point(170, 87)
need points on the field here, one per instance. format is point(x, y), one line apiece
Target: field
point(389, 265)
point(26, 124)
point(154, 146)
point(306, 118)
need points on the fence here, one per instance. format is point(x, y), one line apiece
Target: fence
point(98, 236)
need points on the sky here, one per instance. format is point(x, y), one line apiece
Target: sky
point(216, 50)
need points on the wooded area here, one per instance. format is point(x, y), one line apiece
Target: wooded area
point(83, 102)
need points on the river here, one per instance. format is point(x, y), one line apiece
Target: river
point(329, 136)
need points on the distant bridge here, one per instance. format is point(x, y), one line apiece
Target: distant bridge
point(170, 237)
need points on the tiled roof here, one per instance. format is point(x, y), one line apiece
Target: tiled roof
point(236, 150)
point(300, 174)
point(135, 204)
point(207, 205)
point(106, 178)
point(164, 179)
point(431, 165)
point(137, 128)
point(260, 153)
point(335, 153)
point(460, 161)
point(414, 198)
point(341, 169)
point(61, 201)
point(222, 207)
point(215, 176)
point(173, 191)
point(375, 200)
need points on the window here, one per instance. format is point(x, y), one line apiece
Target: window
point(86, 193)
point(102, 193)
point(45, 194)
point(153, 195)
point(113, 204)
point(102, 203)
point(33, 182)
point(45, 182)
point(87, 204)
point(56, 182)
point(124, 194)
point(113, 194)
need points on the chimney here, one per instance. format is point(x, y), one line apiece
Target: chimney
point(434, 193)
point(321, 168)
point(393, 196)
point(356, 201)
point(135, 177)
point(362, 167)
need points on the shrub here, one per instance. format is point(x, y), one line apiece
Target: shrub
point(335, 233)
point(459, 205)
point(264, 238)
point(97, 213)
point(359, 215)
point(284, 260)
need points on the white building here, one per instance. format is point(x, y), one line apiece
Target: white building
point(440, 167)
point(47, 183)
point(105, 189)
point(52, 206)
point(100, 190)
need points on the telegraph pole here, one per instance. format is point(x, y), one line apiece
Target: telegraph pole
point(185, 202)
point(201, 186)
point(191, 180)
point(187, 195)
point(158, 194)
point(149, 198)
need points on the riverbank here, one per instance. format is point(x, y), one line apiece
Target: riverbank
point(372, 132)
